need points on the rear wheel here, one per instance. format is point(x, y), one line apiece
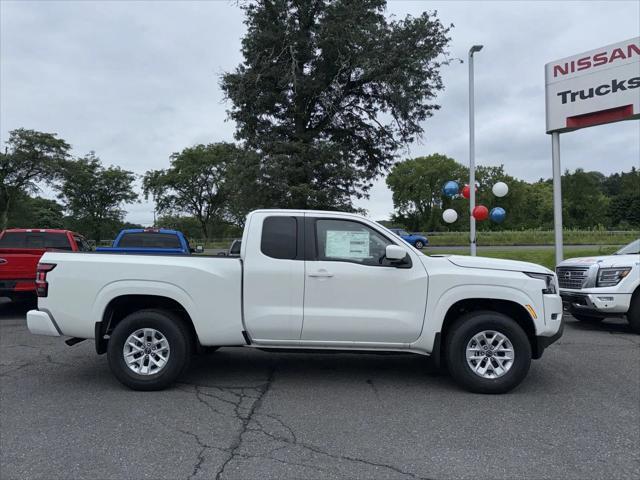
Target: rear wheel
point(149, 349)
point(633, 315)
point(487, 352)
point(419, 244)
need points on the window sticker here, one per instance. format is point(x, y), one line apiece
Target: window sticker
point(341, 244)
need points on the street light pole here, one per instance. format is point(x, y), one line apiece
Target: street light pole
point(472, 154)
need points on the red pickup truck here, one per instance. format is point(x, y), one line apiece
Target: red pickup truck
point(20, 251)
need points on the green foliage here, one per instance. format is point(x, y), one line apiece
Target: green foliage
point(624, 207)
point(28, 212)
point(584, 202)
point(417, 189)
point(327, 93)
point(94, 195)
point(191, 227)
point(212, 182)
point(30, 157)
point(590, 199)
point(535, 237)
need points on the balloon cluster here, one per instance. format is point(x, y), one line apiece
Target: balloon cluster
point(480, 212)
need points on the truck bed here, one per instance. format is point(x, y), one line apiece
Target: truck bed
point(81, 286)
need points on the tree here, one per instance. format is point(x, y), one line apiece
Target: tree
point(93, 194)
point(30, 157)
point(417, 188)
point(584, 205)
point(328, 91)
point(35, 212)
point(624, 208)
point(209, 182)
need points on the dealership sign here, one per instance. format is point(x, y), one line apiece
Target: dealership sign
point(592, 88)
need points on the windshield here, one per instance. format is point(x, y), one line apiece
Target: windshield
point(632, 248)
point(58, 241)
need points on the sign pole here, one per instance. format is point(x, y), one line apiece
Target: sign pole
point(472, 154)
point(557, 195)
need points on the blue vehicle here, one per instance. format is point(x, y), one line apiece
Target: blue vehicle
point(151, 240)
point(413, 239)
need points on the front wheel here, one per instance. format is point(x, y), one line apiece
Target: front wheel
point(419, 244)
point(487, 352)
point(149, 349)
point(633, 315)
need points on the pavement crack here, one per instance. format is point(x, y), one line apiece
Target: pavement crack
point(19, 367)
point(245, 420)
point(312, 448)
point(201, 457)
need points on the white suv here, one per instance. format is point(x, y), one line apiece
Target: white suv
point(593, 288)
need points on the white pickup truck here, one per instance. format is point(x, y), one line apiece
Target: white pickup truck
point(594, 288)
point(305, 280)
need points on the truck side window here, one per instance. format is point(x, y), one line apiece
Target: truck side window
point(83, 245)
point(347, 241)
point(279, 237)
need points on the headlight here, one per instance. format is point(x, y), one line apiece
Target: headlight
point(608, 277)
point(549, 279)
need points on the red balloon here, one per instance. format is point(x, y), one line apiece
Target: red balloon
point(480, 213)
point(466, 191)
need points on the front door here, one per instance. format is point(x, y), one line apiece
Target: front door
point(352, 293)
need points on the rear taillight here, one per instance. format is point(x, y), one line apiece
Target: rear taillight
point(42, 287)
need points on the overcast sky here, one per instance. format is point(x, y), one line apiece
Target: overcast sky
point(136, 81)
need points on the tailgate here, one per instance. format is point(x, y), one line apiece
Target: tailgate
point(19, 264)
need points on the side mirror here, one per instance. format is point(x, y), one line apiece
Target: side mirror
point(394, 252)
point(199, 249)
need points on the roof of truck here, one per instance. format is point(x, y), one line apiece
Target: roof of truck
point(37, 230)
point(150, 230)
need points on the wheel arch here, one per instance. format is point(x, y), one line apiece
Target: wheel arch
point(510, 308)
point(122, 305)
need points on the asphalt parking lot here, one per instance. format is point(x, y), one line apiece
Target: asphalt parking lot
point(247, 414)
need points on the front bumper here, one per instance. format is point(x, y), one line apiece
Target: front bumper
point(544, 342)
point(553, 326)
point(42, 323)
point(598, 303)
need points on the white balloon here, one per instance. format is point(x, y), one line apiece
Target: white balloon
point(449, 215)
point(500, 189)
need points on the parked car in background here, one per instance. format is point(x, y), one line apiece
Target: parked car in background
point(305, 280)
point(151, 240)
point(20, 251)
point(593, 288)
point(234, 249)
point(414, 239)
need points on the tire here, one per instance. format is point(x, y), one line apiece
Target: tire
point(419, 245)
point(633, 315)
point(170, 328)
point(587, 318)
point(462, 333)
point(208, 350)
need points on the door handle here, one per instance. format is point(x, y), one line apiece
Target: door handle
point(321, 274)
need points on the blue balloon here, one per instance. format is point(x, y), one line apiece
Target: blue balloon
point(497, 214)
point(450, 188)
